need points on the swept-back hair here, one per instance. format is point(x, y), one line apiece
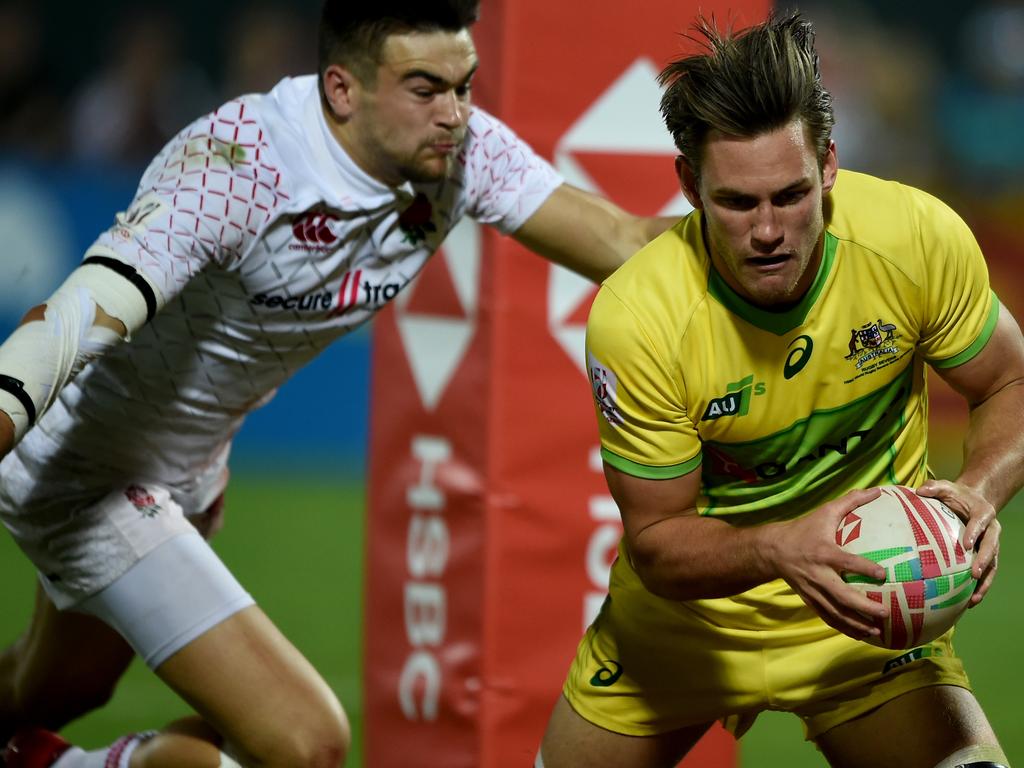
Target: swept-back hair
point(353, 33)
point(746, 84)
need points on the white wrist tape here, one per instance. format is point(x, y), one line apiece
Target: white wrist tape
point(41, 356)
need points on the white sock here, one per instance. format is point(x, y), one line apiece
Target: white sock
point(116, 755)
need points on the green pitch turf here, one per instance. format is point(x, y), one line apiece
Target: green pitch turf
point(296, 543)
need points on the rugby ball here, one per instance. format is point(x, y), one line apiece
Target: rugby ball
point(919, 542)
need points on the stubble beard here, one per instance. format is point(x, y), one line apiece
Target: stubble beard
point(421, 174)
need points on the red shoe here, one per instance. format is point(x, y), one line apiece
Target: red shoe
point(34, 748)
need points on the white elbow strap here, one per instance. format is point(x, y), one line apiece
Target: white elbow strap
point(41, 356)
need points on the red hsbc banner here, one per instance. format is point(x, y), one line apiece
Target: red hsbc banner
point(491, 531)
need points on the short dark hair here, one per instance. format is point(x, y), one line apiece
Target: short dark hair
point(746, 84)
point(353, 33)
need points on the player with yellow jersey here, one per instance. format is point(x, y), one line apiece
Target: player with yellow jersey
point(786, 410)
point(757, 371)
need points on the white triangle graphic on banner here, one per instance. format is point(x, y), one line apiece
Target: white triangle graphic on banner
point(435, 346)
point(625, 118)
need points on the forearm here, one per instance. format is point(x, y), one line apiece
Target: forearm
point(994, 446)
point(586, 233)
point(693, 557)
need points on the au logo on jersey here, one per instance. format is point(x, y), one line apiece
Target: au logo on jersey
point(910, 657)
point(736, 400)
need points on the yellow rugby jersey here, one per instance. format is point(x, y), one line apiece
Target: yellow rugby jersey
point(786, 410)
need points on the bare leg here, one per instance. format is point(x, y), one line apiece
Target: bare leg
point(919, 729)
point(254, 688)
point(572, 742)
point(43, 681)
point(68, 664)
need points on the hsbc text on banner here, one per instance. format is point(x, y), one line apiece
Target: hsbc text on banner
point(491, 531)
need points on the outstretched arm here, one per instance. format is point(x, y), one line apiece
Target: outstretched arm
point(587, 233)
point(680, 555)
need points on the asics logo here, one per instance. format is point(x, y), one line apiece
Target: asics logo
point(313, 229)
point(606, 676)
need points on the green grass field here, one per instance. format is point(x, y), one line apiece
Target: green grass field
point(296, 544)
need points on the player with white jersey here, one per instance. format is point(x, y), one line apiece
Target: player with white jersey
point(297, 246)
point(259, 235)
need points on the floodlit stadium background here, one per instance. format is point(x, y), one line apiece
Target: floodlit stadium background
point(932, 95)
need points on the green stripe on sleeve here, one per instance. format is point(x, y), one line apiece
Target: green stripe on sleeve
point(648, 472)
point(981, 341)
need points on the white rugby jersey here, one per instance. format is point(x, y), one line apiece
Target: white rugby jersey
point(267, 243)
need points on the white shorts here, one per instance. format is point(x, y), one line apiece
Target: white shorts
point(84, 521)
point(80, 548)
point(131, 558)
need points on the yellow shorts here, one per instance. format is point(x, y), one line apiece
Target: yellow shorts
point(648, 665)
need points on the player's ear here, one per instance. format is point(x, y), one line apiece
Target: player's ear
point(341, 90)
point(688, 182)
point(829, 168)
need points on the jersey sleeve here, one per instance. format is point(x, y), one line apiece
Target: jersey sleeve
point(203, 200)
point(506, 180)
point(960, 310)
point(644, 428)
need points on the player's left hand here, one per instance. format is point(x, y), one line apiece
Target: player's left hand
point(982, 528)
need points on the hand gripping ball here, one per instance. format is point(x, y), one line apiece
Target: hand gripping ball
point(919, 542)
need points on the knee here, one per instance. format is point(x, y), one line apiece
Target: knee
point(320, 742)
point(324, 747)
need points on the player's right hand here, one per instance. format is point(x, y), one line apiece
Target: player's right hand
point(811, 562)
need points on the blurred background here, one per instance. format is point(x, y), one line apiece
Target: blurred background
point(931, 94)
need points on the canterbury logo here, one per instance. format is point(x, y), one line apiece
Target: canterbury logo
point(313, 229)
